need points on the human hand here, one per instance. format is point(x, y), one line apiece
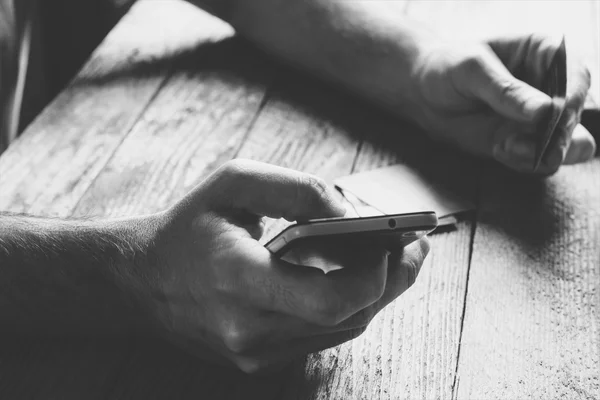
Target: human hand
point(216, 291)
point(470, 96)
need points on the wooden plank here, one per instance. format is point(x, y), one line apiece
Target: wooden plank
point(197, 121)
point(49, 168)
point(410, 349)
point(578, 20)
point(531, 328)
point(531, 321)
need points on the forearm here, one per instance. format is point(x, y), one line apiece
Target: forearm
point(367, 47)
point(70, 277)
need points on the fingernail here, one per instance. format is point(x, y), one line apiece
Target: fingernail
point(516, 147)
point(587, 152)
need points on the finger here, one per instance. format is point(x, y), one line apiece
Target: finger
point(403, 269)
point(518, 150)
point(279, 338)
point(268, 190)
point(487, 79)
point(527, 57)
point(402, 272)
point(514, 147)
point(532, 55)
point(582, 147)
point(256, 337)
point(579, 82)
point(277, 285)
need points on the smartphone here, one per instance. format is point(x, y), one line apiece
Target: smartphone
point(391, 231)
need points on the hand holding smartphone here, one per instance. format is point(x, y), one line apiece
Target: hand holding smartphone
point(388, 231)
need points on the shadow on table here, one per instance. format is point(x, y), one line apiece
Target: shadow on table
point(526, 208)
point(231, 55)
point(384, 139)
point(521, 205)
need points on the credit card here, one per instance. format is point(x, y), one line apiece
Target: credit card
point(555, 86)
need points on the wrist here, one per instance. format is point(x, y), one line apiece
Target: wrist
point(383, 57)
point(135, 266)
point(71, 276)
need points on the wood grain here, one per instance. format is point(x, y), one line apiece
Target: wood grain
point(531, 327)
point(73, 139)
point(198, 121)
point(410, 349)
point(531, 321)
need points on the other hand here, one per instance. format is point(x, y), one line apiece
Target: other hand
point(485, 99)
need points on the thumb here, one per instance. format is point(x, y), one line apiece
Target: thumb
point(271, 191)
point(491, 82)
point(404, 267)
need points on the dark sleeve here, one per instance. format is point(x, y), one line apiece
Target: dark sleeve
point(70, 30)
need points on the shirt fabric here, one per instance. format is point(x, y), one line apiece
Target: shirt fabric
point(15, 38)
point(42, 46)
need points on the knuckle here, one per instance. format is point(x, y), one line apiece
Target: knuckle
point(251, 365)
point(235, 168)
point(537, 37)
point(472, 63)
point(537, 41)
point(238, 340)
point(508, 88)
point(312, 187)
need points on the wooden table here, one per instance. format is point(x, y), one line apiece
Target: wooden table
point(506, 306)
